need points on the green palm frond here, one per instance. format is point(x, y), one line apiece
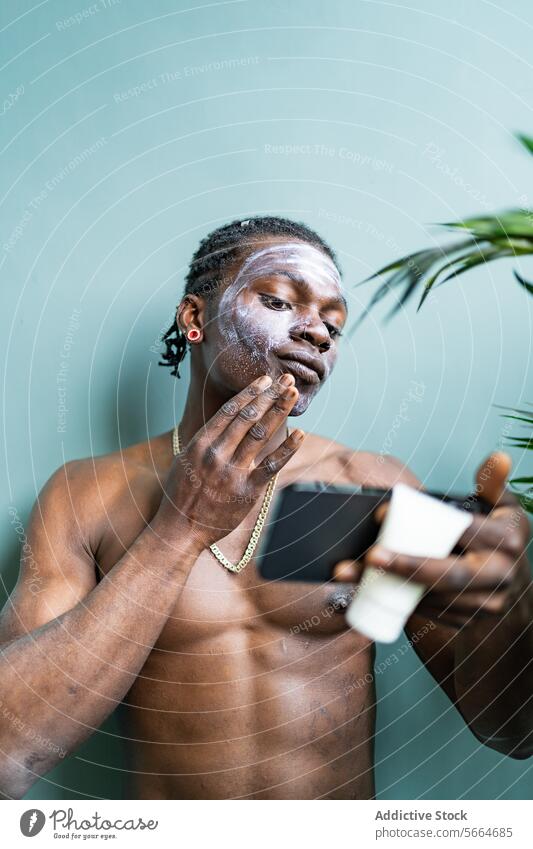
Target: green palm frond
point(527, 286)
point(527, 141)
point(522, 486)
point(486, 238)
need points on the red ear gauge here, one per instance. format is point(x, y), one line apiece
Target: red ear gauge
point(193, 334)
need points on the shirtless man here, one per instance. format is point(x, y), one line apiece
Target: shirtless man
point(222, 693)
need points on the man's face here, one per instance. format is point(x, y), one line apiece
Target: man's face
point(281, 311)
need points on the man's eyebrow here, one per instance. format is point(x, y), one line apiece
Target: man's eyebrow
point(302, 283)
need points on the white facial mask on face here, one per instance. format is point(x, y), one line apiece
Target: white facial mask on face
point(236, 320)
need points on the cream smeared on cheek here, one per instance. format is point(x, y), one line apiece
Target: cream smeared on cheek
point(252, 341)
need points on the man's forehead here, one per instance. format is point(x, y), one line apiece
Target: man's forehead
point(296, 260)
point(303, 284)
point(295, 256)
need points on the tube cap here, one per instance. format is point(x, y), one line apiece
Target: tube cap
point(382, 605)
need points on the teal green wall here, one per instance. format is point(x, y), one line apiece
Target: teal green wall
point(365, 120)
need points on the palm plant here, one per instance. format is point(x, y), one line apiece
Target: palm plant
point(483, 239)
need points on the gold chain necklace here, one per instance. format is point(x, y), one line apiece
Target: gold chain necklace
point(258, 527)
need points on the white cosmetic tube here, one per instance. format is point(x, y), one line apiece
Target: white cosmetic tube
point(415, 524)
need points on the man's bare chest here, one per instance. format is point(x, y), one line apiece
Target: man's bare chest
point(213, 599)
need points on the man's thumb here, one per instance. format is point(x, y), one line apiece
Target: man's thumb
point(491, 477)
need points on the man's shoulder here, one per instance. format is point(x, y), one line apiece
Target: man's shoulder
point(366, 468)
point(89, 486)
point(120, 465)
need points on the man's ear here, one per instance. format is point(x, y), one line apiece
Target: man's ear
point(191, 313)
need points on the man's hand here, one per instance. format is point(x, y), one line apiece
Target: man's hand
point(489, 572)
point(215, 480)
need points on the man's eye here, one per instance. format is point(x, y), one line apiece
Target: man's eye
point(333, 331)
point(278, 304)
point(275, 303)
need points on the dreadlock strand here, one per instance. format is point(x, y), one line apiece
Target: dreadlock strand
point(176, 348)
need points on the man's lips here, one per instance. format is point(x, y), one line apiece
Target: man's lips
point(303, 365)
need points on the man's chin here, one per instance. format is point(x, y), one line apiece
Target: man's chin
point(305, 397)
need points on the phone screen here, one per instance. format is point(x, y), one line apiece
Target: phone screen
point(312, 526)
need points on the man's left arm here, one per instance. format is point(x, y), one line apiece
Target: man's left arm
point(480, 603)
point(473, 627)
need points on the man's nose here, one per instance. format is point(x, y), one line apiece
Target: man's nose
point(312, 329)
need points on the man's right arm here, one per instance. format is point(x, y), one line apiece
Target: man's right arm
point(70, 649)
point(73, 629)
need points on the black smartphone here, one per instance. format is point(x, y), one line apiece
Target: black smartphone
point(312, 525)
